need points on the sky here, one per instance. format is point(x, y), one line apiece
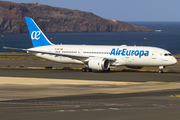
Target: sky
point(123, 10)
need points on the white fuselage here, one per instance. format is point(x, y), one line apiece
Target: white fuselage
point(123, 55)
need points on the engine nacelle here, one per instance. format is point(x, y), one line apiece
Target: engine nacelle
point(135, 67)
point(99, 64)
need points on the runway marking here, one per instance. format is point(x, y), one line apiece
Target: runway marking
point(120, 104)
point(171, 104)
point(53, 106)
point(60, 111)
point(86, 109)
point(114, 109)
point(157, 105)
point(100, 109)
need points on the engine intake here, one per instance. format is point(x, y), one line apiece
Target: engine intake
point(99, 64)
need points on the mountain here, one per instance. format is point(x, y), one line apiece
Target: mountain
point(54, 19)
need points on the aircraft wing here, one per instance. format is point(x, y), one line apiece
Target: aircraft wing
point(73, 56)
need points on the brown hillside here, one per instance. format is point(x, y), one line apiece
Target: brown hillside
point(53, 19)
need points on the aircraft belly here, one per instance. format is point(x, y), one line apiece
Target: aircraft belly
point(136, 61)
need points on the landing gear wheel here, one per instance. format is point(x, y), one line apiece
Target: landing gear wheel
point(108, 70)
point(161, 69)
point(88, 70)
point(84, 70)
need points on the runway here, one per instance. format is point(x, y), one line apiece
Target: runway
point(75, 95)
point(38, 63)
point(101, 76)
point(137, 106)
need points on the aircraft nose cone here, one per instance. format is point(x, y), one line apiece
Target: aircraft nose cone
point(174, 61)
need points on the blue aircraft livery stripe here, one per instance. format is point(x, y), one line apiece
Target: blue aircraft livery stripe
point(125, 52)
point(37, 36)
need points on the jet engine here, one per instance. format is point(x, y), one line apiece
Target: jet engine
point(99, 64)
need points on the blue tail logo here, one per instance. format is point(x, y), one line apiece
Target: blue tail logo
point(37, 36)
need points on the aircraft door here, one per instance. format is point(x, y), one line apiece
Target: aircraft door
point(80, 51)
point(51, 50)
point(154, 54)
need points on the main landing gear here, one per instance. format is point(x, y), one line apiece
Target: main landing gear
point(86, 70)
point(161, 69)
point(90, 70)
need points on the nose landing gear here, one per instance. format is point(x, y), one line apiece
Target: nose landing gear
point(161, 69)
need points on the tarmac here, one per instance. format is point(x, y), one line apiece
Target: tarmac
point(37, 63)
point(72, 94)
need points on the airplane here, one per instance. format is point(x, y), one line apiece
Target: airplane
point(96, 57)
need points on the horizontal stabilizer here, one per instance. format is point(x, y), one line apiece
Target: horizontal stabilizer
point(13, 48)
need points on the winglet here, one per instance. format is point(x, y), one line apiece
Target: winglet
point(37, 36)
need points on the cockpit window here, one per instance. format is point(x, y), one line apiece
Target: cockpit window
point(167, 54)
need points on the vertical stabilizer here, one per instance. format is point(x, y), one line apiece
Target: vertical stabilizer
point(37, 36)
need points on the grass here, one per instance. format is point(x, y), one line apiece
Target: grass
point(177, 56)
point(173, 70)
point(13, 53)
point(20, 58)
